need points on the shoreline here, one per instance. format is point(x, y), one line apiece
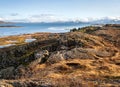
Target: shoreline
point(34, 28)
point(10, 26)
point(32, 35)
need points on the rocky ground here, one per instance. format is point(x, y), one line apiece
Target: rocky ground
point(86, 57)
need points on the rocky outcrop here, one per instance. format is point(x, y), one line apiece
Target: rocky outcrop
point(16, 55)
point(40, 57)
point(56, 57)
point(74, 59)
point(79, 53)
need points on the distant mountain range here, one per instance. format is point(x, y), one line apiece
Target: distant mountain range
point(79, 21)
point(4, 22)
point(93, 21)
point(105, 21)
point(1, 22)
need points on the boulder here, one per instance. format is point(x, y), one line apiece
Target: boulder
point(40, 57)
point(55, 57)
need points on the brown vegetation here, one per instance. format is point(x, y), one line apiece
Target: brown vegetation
point(87, 57)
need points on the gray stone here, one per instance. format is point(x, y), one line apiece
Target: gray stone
point(7, 73)
point(55, 57)
point(40, 57)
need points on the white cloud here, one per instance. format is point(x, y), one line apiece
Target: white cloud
point(14, 17)
point(90, 19)
point(1, 19)
point(50, 18)
point(47, 18)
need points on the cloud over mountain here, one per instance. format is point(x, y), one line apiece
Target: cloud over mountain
point(14, 17)
point(47, 18)
point(1, 19)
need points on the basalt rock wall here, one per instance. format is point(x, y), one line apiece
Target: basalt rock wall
point(16, 55)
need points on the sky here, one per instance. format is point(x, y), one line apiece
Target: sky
point(57, 10)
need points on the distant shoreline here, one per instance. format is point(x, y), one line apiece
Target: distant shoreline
point(9, 26)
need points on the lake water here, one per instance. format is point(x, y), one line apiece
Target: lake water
point(29, 40)
point(38, 27)
point(8, 45)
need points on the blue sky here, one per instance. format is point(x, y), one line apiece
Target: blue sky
point(53, 10)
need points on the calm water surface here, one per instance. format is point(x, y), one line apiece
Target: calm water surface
point(38, 27)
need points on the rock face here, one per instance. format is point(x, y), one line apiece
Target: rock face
point(40, 57)
point(7, 73)
point(16, 55)
point(79, 53)
point(86, 57)
point(56, 57)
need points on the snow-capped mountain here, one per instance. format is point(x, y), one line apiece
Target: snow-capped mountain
point(106, 20)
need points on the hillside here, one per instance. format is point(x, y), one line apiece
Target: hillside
point(1, 22)
point(86, 57)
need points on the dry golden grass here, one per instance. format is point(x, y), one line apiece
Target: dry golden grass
point(102, 70)
point(78, 73)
